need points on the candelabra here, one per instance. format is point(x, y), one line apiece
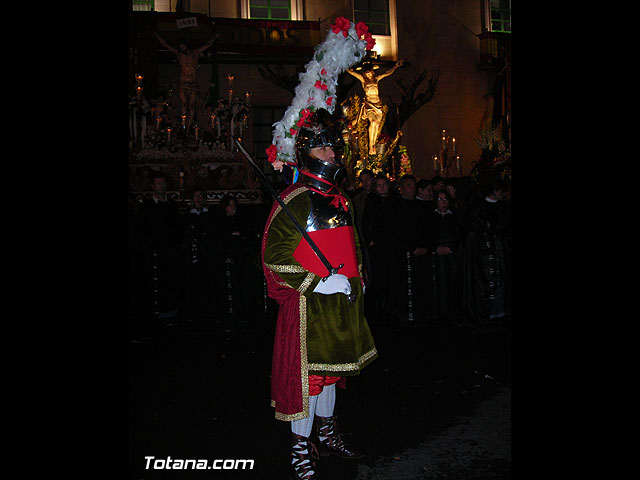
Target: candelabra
point(231, 117)
point(138, 109)
point(447, 153)
point(209, 138)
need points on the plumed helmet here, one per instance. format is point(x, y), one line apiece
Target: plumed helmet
point(320, 136)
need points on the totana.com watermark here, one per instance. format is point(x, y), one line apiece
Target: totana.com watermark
point(197, 464)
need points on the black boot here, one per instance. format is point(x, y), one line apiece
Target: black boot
point(332, 442)
point(303, 449)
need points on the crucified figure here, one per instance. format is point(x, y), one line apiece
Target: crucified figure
point(188, 83)
point(372, 105)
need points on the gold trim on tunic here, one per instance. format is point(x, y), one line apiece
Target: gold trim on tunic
point(343, 367)
point(286, 268)
point(286, 200)
point(307, 281)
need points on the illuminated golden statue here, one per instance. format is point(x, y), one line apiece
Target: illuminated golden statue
point(372, 107)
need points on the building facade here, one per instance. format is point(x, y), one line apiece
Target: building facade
point(264, 44)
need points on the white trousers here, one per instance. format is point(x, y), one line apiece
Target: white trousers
point(321, 405)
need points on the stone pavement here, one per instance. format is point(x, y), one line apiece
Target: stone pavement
point(434, 405)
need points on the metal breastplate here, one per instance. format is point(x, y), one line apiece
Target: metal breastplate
point(323, 215)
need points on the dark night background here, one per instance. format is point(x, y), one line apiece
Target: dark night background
point(81, 402)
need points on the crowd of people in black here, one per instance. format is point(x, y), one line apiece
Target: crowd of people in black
point(196, 266)
point(436, 252)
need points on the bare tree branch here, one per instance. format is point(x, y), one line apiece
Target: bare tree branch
point(410, 102)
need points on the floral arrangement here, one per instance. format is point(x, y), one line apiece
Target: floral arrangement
point(405, 161)
point(342, 48)
point(491, 140)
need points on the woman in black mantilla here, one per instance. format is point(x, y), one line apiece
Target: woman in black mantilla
point(444, 244)
point(199, 250)
point(473, 284)
point(237, 267)
point(378, 227)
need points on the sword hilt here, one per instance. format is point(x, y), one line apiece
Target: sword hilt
point(352, 296)
point(333, 271)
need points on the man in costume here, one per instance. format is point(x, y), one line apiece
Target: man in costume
point(321, 334)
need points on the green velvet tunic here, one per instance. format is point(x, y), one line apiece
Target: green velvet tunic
point(335, 337)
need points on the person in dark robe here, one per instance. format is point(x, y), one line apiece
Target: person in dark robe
point(238, 282)
point(497, 260)
point(444, 246)
point(159, 228)
point(450, 186)
point(438, 183)
point(378, 226)
point(409, 296)
point(473, 281)
point(200, 230)
point(424, 193)
point(359, 198)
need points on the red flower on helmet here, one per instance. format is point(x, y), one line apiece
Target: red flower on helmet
point(363, 31)
point(305, 118)
point(272, 151)
point(321, 85)
point(361, 28)
point(371, 42)
point(342, 25)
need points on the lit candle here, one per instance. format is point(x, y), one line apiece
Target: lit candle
point(453, 145)
point(230, 81)
point(184, 120)
point(168, 134)
point(138, 78)
point(435, 163)
point(213, 122)
point(458, 165)
point(139, 92)
point(247, 97)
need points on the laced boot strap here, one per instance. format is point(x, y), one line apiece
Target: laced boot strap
point(330, 439)
point(328, 432)
point(303, 449)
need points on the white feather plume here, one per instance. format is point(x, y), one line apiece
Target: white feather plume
point(330, 59)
